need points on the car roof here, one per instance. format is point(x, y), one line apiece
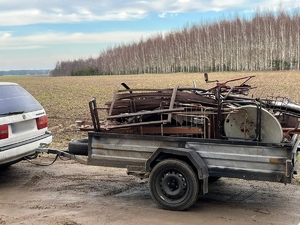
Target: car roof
point(7, 83)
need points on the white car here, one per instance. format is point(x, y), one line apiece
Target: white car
point(23, 124)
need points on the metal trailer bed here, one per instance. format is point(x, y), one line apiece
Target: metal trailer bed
point(223, 158)
point(157, 157)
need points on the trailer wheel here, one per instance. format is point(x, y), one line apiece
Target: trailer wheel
point(173, 185)
point(78, 146)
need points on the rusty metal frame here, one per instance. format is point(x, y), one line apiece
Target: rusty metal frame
point(95, 117)
point(140, 114)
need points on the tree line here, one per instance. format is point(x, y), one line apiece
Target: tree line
point(267, 41)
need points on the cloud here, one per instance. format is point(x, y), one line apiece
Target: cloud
point(10, 42)
point(167, 15)
point(40, 51)
point(34, 16)
point(29, 47)
point(4, 35)
point(162, 15)
point(56, 11)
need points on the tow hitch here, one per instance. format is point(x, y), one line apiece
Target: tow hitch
point(62, 154)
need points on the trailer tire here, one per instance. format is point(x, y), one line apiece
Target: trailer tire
point(173, 185)
point(78, 146)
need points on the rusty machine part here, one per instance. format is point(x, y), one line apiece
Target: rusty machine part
point(219, 112)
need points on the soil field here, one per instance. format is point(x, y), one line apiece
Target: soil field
point(70, 193)
point(65, 99)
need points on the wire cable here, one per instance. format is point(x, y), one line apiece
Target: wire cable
point(39, 164)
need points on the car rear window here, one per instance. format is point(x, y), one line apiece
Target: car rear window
point(15, 99)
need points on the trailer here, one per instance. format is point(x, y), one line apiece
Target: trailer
point(179, 168)
point(183, 138)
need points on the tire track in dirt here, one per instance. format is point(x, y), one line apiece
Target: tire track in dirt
point(72, 193)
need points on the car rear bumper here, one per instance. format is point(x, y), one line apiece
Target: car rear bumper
point(14, 152)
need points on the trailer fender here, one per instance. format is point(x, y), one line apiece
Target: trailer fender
point(187, 155)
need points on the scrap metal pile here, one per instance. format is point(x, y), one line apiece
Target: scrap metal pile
point(221, 112)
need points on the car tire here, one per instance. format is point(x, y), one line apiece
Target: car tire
point(78, 146)
point(173, 185)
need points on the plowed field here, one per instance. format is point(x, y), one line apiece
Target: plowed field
point(65, 99)
point(69, 193)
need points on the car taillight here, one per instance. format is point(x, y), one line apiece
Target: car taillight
point(3, 131)
point(42, 122)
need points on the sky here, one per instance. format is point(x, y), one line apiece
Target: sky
point(35, 34)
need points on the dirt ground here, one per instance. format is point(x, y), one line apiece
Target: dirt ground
point(71, 193)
